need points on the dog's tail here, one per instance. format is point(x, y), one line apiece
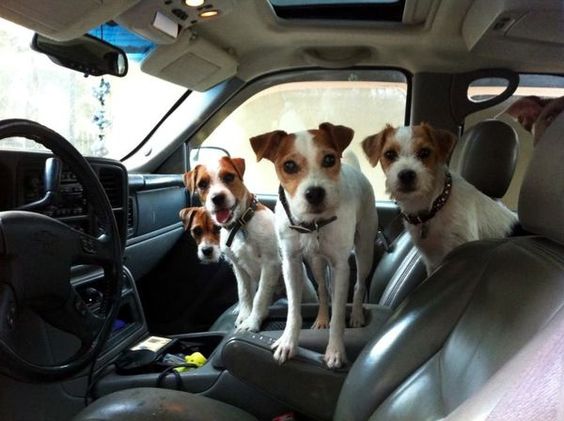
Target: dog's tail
point(350, 158)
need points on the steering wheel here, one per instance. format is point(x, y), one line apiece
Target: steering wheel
point(36, 255)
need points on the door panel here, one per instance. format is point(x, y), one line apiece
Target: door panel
point(179, 294)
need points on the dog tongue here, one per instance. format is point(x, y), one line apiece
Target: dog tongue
point(223, 215)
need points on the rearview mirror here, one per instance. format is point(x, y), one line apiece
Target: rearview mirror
point(86, 54)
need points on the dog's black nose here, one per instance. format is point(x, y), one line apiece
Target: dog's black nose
point(218, 199)
point(207, 251)
point(407, 177)
point(315, 195)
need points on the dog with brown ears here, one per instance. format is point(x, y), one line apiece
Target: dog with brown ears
point(441, 210)
point(204, 231)
point(247, 235)
point(325, 211)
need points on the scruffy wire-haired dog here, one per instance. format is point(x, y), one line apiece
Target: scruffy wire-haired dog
point(441, 210)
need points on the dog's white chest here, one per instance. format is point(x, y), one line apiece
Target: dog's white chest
point(244, 252)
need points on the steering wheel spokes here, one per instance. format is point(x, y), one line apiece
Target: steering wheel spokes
point(36, 256)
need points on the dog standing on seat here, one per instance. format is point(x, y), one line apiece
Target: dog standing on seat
point(247, 235)
point(535, 114)
point(204, 231)
point(441, 211)
point(324, 212)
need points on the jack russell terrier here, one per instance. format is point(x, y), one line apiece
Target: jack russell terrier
point(325, 211)
point(441, 211)
point(247, 235)
point(535, 114)
point(203, 230)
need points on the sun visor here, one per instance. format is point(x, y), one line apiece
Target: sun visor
point(62, 20)
point(192, 62)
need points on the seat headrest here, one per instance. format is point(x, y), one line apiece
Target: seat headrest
point(541, 201)
point(486, 156)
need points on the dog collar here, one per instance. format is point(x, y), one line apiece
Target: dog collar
point(439, 202)
point(242, 220)
point(302, 227)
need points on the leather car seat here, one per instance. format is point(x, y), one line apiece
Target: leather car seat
point(484, 304)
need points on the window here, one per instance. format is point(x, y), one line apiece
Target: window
point(364, 105)
point(540, 85)
point(34, 88)
point(362, 10)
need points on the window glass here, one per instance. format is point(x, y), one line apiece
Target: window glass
point(540, 85)
point(105, 116)
point(365, 106)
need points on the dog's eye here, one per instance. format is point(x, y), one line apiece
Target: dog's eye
point(329, 161)
point(228, 178)
point(391, 155)
point(197, 232)
point(216, 229)
point(424, 153)
point(202, 185)
point(291, 167)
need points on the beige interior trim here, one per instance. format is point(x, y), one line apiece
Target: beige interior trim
point(192, 62)
point(63, 19)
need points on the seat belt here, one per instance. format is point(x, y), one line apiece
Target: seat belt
point(387, 236)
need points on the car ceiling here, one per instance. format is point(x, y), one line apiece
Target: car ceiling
point(247, 39)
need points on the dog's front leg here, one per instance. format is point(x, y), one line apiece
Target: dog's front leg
point(335, 354)
point(269, 275)
point(244, 292)
point(286, 346)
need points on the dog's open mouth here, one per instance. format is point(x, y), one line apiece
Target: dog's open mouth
point(223, 216)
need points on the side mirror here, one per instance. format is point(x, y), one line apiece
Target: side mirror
point(86, 54)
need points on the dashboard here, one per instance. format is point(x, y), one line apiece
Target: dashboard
point(22, 183)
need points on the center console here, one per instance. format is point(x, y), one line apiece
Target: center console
point(238, 366)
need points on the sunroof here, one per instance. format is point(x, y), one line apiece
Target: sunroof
point(373, 10)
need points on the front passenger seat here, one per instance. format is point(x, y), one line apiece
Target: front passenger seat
point(474, 313)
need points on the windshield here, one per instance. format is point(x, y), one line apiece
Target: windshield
point(101, 116)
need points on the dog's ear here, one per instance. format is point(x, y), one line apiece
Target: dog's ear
point(444, 139)
point(341, 136)
point(266, 145)
point(526, 110)
point(239, 165)
point(187, 216)
point(373, 145)
point(190, 179)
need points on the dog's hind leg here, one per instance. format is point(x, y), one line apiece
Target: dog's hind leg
point(319, 270)
point(364, 255)
point(269, 275)
point(245, 294)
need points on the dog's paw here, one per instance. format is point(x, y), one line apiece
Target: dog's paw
point(357, 318)
point(335, 356)
point(285, 348)
point(320, 323)
point(250, 324)
point(240, 319)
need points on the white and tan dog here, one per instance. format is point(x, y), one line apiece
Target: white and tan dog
point(325, 211)
point(204, 231)
point(247, 235)
point(441, 211)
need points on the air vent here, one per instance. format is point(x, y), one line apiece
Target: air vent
point(112, 182)
point(130, 217)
